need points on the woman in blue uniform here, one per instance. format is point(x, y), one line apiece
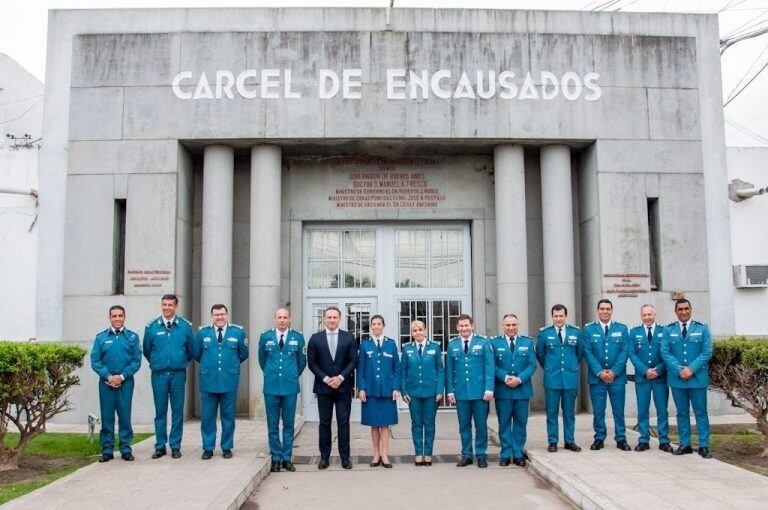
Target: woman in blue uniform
point(378, 382)
point(423, 385)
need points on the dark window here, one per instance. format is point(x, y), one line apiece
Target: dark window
point(118, 262)
point(654, 243)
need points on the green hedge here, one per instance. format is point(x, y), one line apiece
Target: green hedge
point(750, 352)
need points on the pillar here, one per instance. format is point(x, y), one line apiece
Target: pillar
point(557, 225)
point(265, 260)
point(511, 241)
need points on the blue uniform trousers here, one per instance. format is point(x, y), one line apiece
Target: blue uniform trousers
point(280, 407)
point(513, 420)
point(599, 394)
point(684, 399)
point(567, 400)
point(167, 385)
point(660, 394)
point(423, 411)
point(111, 401)
point(224, 405)
point(473, 410)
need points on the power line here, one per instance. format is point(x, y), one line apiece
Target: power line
point(749, 70)
point(746, 131)
point(22, 113)
point(746, 85)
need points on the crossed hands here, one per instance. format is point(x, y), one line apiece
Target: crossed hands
point(334, 382)
point(114, 381)
point(512, 381)
point(651, 373)
point(686, 373)
point(607, 376)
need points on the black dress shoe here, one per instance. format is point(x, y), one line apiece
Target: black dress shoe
point(176, 454)
point(683, 450)
point(525, 456)
point(207, 454)
point(503, 462)
point(641, 447)
point(704, 452)
point(427, 463)
point(158, 453)
point(597, 445)
point(552, 448)
point(519, 462)
point(374, 464)
point(275, 467)
point(572, 446)
point(387, 465)
point(127, 456)
point(106, 457)
point(482, 462)
point(419, 463)
point(623, 446)
point(288, 466)
point(227, 454)
point(666, 447)
point(346, 463)
point(323, 464)
point(464, 461)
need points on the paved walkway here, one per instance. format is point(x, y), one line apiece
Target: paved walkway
point(165, 483)
point(442, 485)
point(611, 478)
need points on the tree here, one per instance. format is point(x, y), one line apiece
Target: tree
point(739, 368)
point(34, 380)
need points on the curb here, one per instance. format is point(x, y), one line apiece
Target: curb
point(261, 473)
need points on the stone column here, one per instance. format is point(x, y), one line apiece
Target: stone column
point(557, 225)
point(218, 194)
point(265, 260)
point(511, 241)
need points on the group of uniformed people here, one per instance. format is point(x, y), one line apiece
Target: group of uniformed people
point(169, 345)
point(476, 370)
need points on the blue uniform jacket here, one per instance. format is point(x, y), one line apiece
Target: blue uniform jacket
point(220, 362)
point(378, 371)
point(168, 350)
point(469, 376)
point(521, 363)
point(694, 351)
point(606, 352)
point(645, 356)
point(422, 376)
point(116, 354)
point(560, 362)
point(282, 368)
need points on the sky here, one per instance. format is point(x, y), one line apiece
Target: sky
point(23, 26)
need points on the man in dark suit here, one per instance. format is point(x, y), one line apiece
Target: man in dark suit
point(332, 357)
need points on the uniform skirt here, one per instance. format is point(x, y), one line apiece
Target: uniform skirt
point(379, 412)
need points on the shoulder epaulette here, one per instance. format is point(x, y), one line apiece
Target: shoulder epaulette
point(699, 322)
point(202, 327)
point(102, 332)
point(236, 326)
point(543, 328)
point(268, 329)
point(183, 320)
point(620, 323)
point(150, 323)
point(589, 324)
point(671, 324)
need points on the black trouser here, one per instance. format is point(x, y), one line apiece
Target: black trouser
point(325, 403)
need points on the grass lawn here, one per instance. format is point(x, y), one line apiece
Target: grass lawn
point(740, 445)
point(48, 457)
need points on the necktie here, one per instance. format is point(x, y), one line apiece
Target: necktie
point(378, 344)
point(650, 335)
point(117, 332)
point(219, 336)
point(466, 346)
point(168, 325)
point(685, 330)
point(420, 347)
point(281, 343)
point(605, 328)
point(511, 343)
point(560, 334)
point(332, 345)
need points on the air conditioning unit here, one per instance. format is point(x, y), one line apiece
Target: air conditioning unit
point(745, 276)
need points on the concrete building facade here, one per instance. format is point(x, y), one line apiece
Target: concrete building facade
point(21, 125)
point(413, 163)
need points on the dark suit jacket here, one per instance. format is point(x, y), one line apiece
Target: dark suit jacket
point(321, 364)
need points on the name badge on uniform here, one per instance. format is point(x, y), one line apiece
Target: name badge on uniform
point(501, 349)
point(369, 353)
point(522, 348)
point(572, 337)
point(431, 352)
point(230, 339)
point(673, 334)
point(596, 335)
point(293, 342)
point(108, 341)
point(207, 339)
point(270, 342)
point(387, 355)
point(698, 333)
point(160, 333)
point(476, 347)
point(617, 333)
point(550, 338)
